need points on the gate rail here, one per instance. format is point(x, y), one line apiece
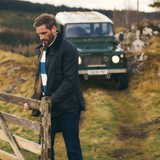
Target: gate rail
point(16, 142)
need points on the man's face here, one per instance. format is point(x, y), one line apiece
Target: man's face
point(46, 35)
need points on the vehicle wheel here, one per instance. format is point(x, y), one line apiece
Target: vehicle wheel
point(122, 81)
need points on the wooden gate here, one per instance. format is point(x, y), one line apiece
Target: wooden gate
point(44, 128)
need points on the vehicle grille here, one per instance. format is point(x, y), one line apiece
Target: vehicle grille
point(96, 61)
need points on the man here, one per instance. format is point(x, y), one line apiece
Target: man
point(57, 77)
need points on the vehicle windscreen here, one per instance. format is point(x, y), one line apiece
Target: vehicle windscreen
point(88, 30)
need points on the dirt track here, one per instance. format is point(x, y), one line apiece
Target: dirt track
point(130, 133)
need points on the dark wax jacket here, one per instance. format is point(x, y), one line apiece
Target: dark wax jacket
point(63, 84)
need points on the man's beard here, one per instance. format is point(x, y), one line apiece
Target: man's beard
point(47, 42)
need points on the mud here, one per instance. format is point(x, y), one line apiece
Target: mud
point(124, 153)
point(126, 132)
point(156, 121)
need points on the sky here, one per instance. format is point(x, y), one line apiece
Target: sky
point(102, 4)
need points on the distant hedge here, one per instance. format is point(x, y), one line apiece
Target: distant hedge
point(14, 39)
point(25, 6)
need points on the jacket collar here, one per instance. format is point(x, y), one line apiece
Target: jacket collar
point(56, 43)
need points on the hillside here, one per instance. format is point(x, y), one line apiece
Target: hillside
point(16, 19)
point(116, 125)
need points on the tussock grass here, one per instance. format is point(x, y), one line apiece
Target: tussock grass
point(117, 30)
point(146, 83)
point(13, 68)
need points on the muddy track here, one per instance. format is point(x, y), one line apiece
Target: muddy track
point(129, 133)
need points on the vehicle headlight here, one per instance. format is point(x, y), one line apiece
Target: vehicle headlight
point(79, 60)
point(115, 59)
point(121, 55)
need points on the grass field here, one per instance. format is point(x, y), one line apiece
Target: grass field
point(116, 125)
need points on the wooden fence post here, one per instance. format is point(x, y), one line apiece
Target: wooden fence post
point(46, 128)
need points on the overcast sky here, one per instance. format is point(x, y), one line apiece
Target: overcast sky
point(102, 4)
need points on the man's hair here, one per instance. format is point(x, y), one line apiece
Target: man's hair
point(47, 19)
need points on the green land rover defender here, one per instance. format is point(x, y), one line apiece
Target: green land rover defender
point(93, 35)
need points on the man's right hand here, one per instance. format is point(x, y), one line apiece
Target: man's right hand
point(26, 106)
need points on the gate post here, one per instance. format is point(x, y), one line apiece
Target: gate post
point(46, 128)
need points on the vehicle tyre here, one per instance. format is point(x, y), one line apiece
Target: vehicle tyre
point(122, 81)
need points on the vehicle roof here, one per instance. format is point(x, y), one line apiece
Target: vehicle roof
point(81, 17)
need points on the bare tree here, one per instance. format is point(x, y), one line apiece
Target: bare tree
point(129, 13)
point(114, 18)
point(137, 11)
point(127, 9)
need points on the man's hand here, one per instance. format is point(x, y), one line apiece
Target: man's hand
point(26, 106)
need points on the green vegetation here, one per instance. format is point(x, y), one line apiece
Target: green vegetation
point(155, 5)
point(14, 39)
point(17, 20)
point(17, 33)
point(116, 125)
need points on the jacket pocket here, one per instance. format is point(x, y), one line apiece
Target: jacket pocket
point(61, 107)
point(81, 99)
